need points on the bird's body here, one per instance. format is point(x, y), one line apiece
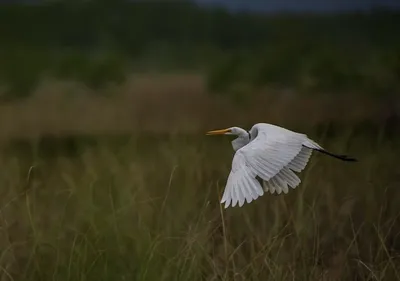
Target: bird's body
point(268, 152)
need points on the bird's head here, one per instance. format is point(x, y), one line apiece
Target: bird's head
point(228, 131)
point(243, 137)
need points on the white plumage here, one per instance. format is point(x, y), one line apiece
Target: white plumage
point(268, 152)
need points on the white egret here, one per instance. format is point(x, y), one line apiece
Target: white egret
point(270, 153)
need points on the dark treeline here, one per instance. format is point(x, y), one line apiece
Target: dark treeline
point(100, 41)
point(132, 26)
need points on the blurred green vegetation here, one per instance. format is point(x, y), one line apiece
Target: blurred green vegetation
point(99, 42)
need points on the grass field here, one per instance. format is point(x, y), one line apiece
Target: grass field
point(146, 206)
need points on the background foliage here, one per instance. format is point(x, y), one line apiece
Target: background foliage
point(98, 42)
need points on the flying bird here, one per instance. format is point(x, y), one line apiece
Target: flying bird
point(266, 159)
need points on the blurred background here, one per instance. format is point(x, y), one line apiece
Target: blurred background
point(106, 173)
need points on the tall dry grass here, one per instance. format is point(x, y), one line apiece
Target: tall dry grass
point(146, 208)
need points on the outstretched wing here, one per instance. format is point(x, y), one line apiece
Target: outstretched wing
point(286, 178)
point(242, 183)
point(272, 156)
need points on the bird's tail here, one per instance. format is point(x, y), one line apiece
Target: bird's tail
point(341, 157)
point(315, 146)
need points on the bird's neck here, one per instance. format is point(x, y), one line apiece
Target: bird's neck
point(241, 141)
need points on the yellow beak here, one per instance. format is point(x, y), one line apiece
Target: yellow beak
point(217, 132)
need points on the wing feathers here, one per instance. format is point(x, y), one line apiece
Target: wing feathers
point(300, 161)
point(268, 159)
point(242, 186)
point(273, 155)
point(282, 181)
point(291, 178)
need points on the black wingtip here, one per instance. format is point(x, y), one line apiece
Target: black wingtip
point(341, 157)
